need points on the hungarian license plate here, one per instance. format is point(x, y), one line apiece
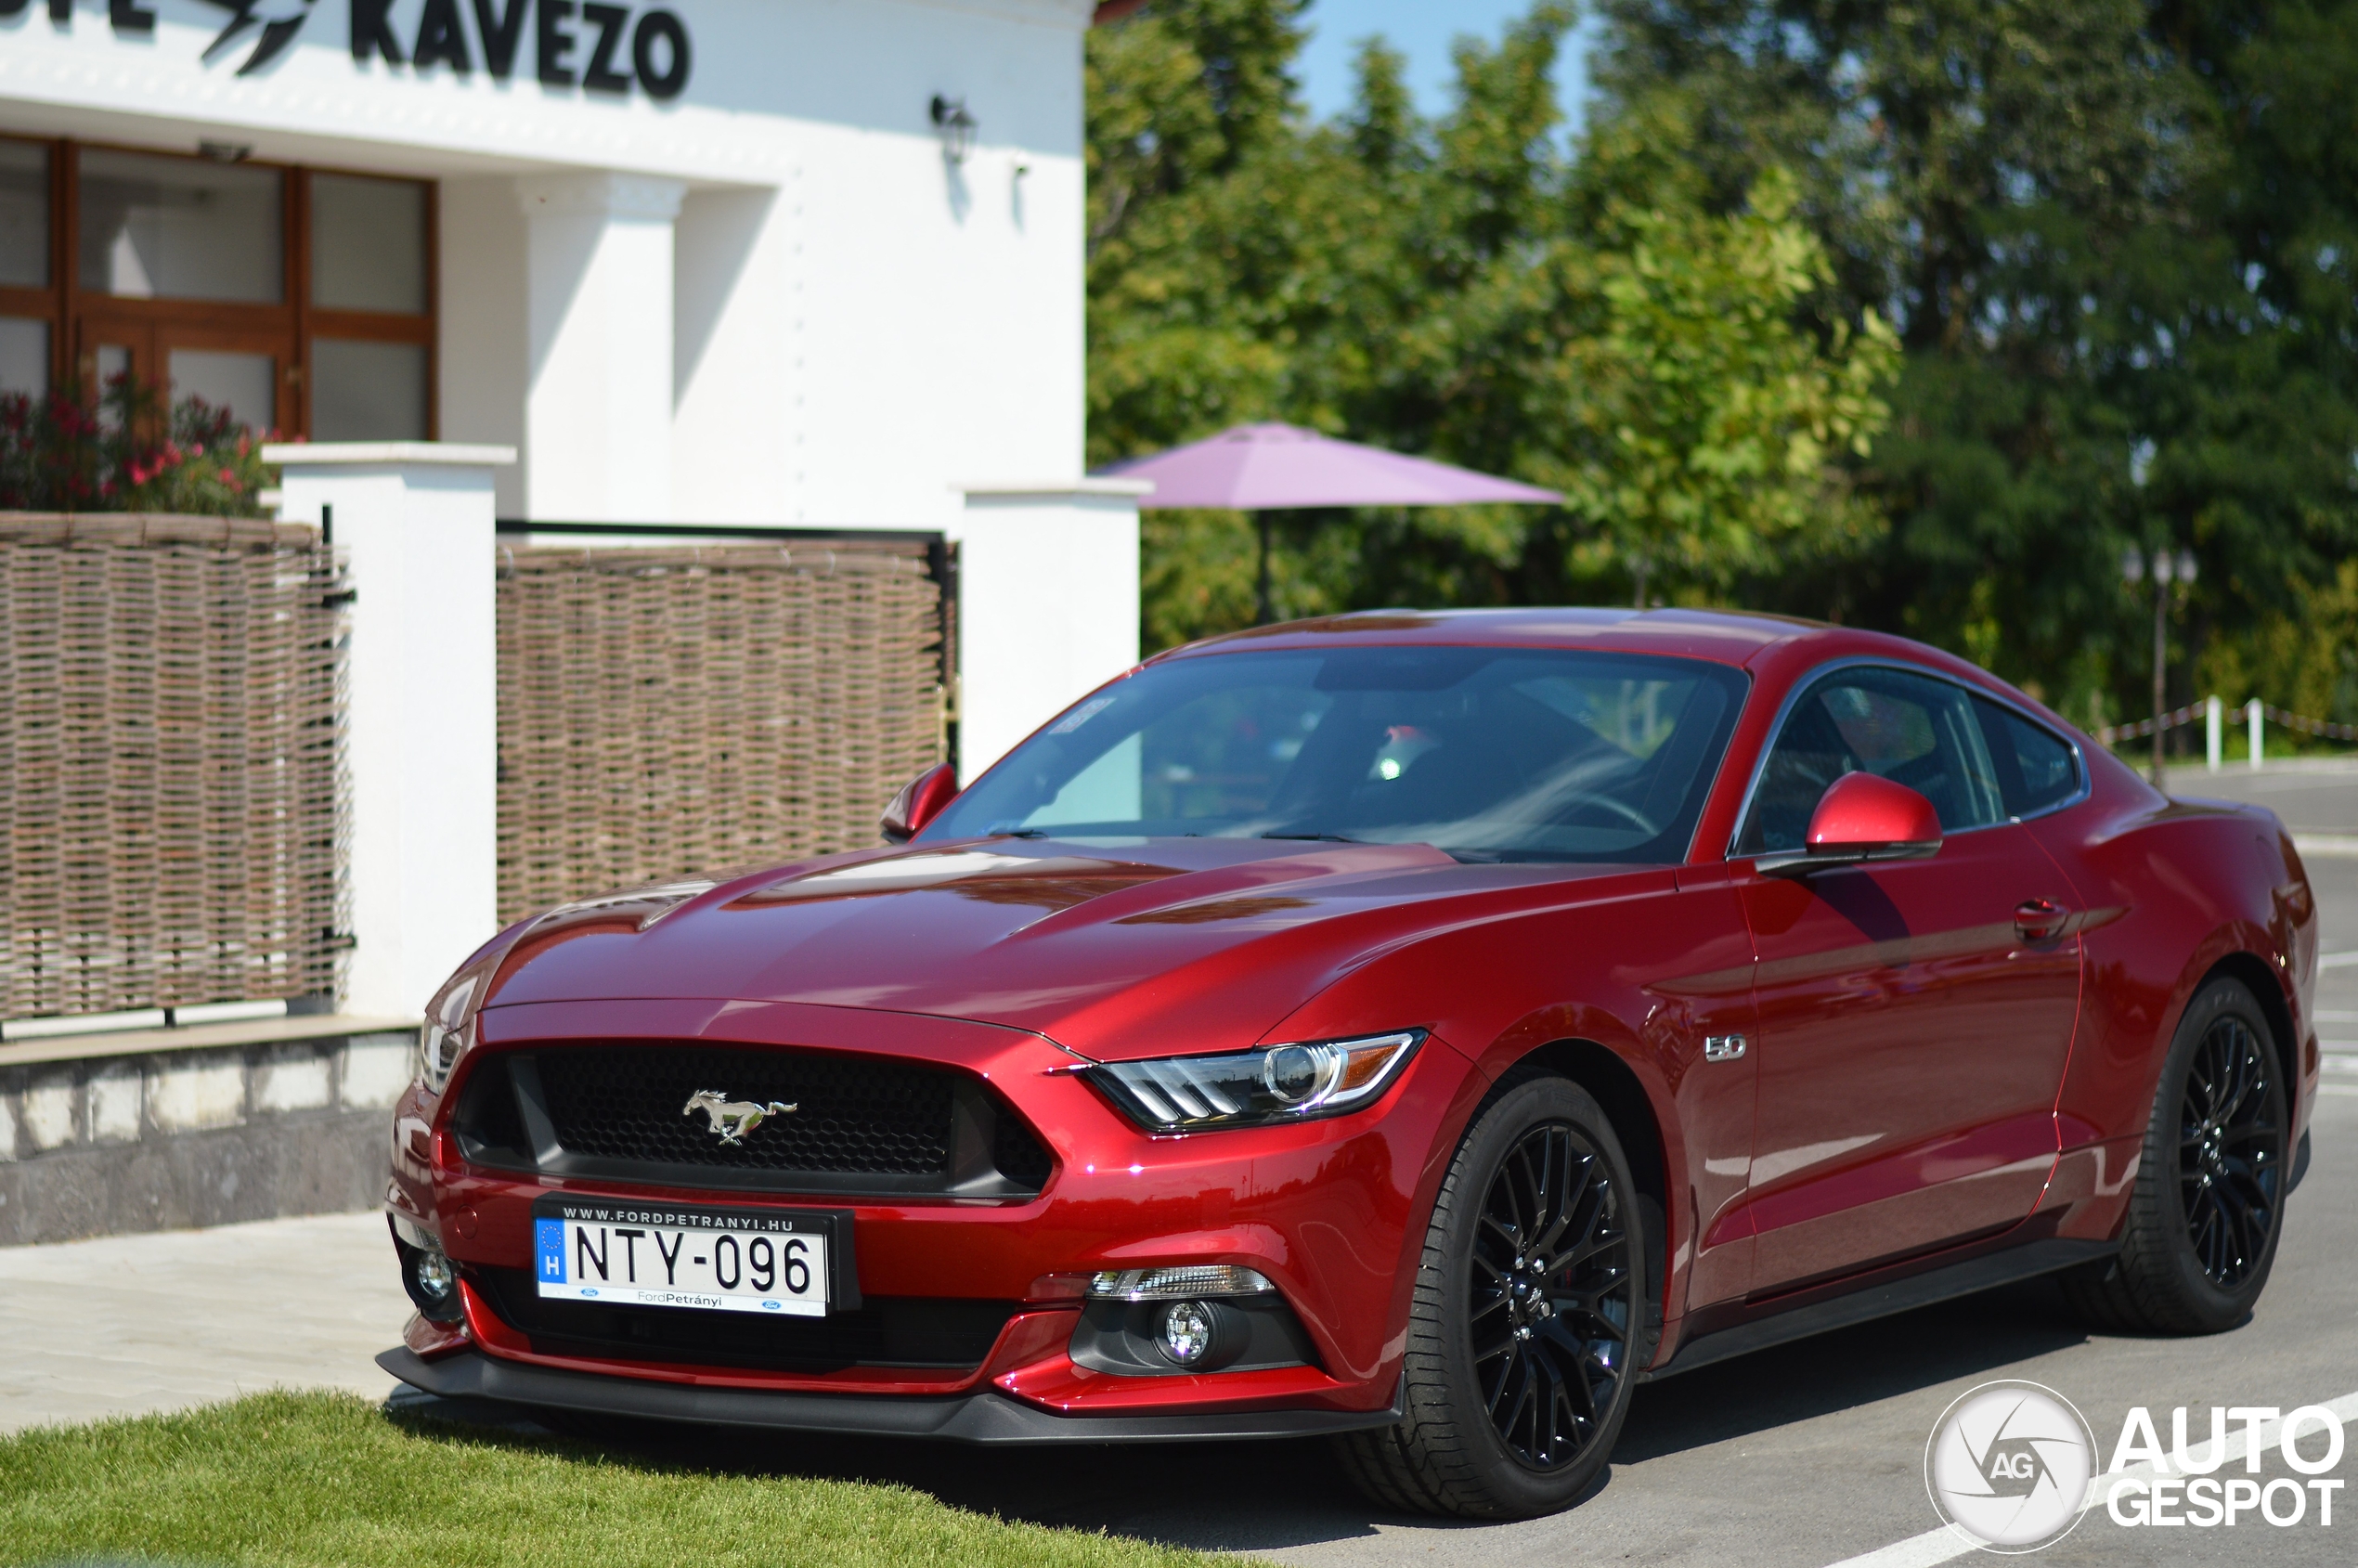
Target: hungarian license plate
point(630, 1253)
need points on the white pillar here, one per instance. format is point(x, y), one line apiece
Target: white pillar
point(1047, 604)
point(597, 379)
point(2214, 714)
point(2253, 718)
point(414, 521)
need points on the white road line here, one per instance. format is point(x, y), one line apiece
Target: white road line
point(2338, 1088)
point(2337, 960)
point(2334, 1016)
point(1944, 1545)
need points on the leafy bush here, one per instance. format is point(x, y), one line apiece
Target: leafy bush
point(128, 454)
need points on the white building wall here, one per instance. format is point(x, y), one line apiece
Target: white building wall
point(859, 326)
point(482, 347)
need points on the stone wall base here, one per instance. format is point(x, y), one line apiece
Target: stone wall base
point(173, 1139)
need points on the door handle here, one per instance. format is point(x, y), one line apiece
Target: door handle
point(2038, 919)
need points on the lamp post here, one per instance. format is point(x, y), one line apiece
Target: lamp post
point(2165, 569)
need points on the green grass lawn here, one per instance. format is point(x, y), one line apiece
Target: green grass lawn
point(317, 1479)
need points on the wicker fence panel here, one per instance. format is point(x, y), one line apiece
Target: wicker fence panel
point(172, 810)
point(668, 712)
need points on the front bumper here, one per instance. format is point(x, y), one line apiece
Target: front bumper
point(983, 1417)
point(1323, 1209)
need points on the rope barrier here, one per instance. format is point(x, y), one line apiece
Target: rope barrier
point(2113, 735)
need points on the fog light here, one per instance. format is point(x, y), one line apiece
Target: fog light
point(435, 1276)
point(1186, 1332)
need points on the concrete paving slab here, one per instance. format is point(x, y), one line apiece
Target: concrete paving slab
point(126, 1325)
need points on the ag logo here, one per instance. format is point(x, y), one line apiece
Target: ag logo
point(2008, 1466)
point(279, 21)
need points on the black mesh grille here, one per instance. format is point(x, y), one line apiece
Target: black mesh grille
point(1022, 1158)
point(852, 1114)
point(886, 1331)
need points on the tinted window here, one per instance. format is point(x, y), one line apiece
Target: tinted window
point(1911, 729)
point(2037, 769)
point(1488, 754)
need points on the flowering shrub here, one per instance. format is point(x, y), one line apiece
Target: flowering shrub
point(128, 454)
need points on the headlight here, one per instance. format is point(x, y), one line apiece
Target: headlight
point(449, 1030)
point(1254, 1088)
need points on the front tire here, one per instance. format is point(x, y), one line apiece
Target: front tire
point(2209, 1203)
point(1528, 1319)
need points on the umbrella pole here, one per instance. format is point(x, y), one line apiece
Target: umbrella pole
point(1263, 613)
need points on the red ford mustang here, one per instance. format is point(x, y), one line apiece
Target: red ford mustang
point(1420, 1028)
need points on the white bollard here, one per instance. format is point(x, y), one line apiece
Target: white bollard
point(2252, 717)
point(2214, 714)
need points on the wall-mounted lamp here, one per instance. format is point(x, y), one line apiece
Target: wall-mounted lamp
point(958, 128)
point(226, 152)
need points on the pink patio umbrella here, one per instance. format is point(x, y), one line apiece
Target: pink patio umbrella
point(1265, 468)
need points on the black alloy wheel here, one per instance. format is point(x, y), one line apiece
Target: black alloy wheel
point(1529, 1316)
point(2231, 1152)
point(1552, 1293)
point(2207, 1204)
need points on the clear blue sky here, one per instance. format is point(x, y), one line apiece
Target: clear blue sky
point(1423, 31)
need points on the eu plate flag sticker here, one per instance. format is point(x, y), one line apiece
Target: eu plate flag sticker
point(549, 1240)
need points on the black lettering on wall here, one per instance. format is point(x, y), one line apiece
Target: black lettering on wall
point(661, 28)
point(500, 35)
point(554, 43)
point(13, 7)
point(61, 11)
point(601, 75)
point(128, 16)
point(441, 38)
point(372, 32)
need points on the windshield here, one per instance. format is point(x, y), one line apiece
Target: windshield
point(1489, 754)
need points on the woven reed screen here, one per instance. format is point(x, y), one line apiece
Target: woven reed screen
point(666, 712)
point(171, 724)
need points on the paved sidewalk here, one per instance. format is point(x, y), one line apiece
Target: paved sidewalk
point(124, 1325)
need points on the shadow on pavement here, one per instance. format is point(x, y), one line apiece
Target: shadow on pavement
point(1250, 1497)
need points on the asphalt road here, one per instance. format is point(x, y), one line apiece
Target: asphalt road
point(1807, 1454)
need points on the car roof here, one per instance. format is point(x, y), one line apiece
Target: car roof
point(1723, 636)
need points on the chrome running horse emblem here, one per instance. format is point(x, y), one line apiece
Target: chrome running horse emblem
point(732, 1120)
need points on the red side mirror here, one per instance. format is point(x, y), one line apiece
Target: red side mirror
point(920, 800)
point(1861, 818)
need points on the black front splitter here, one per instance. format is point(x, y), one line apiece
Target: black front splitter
point(986, 1417)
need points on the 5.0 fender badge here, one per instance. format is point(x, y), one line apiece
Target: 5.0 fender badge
point(732, 1120)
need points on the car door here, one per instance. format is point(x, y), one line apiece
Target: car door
point(1915, 1017)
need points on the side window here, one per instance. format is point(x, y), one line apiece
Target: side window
point(1910, 729)
point(2036, 767)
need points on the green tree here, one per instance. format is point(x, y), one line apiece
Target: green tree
point(1471, 288)
point(2112, 236)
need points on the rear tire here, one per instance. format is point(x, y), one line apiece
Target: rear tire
point(2208, 1205)
point(1528, 1319)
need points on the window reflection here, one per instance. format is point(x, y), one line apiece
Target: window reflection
point(24, 215)
point(368, 244)
point(180, 228)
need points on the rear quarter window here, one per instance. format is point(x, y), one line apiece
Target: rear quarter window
point(2037, 769)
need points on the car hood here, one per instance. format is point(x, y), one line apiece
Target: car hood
point(1113, 949)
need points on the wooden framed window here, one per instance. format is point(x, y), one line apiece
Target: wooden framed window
point(301, 299)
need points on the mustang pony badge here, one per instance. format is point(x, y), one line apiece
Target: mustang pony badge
point(732, 1120)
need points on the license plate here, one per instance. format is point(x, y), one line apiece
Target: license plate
point(670, 1256)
